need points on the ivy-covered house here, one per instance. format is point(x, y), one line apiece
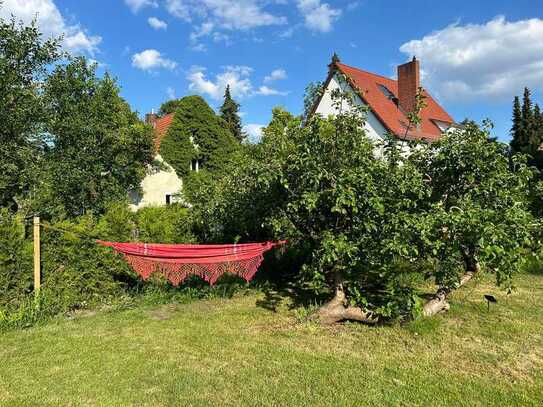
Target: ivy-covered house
point(189, 140)
point(161, 185)
point(389, 101)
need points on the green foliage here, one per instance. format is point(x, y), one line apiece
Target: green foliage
point(356, 210)
point(76, 272)
point(167, 224)
point(197, 132)
point(99, 148)
point(527, 129)
point(313, 92)
point(479, 207)
point(169, 106)
point(369, 218)
point(15, 258)
point(24, 59)
point(237, 205)
point(230, 114)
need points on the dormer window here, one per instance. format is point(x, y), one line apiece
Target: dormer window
point(386, 91)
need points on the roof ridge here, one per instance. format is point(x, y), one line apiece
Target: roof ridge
point(368, 72)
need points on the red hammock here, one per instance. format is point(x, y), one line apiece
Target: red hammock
point(177, 261)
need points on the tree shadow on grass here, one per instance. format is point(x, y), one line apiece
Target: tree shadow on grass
point(534, 266)
point(295, 297)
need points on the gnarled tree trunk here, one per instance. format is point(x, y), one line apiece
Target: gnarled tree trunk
point(439, 302)
point(338, 310)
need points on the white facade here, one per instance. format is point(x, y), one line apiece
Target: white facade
point(326, 107)
point(159, 187)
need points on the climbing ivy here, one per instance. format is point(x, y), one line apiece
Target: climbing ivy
point(197, 132)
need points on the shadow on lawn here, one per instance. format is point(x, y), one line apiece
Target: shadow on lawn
point(295, 297)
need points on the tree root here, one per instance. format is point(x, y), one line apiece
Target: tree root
point(439, 302)
point(336, 311)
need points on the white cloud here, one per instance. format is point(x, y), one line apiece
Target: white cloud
point(212, 17)
point(235, 76)
point(266, 91)
point(288, 33)
point(157, 24)
point(51, 23)
point(492, 60)
point(151, 59)
point(317, 16)
point(254, 132)
point(228, 14)
point(137, 5)
point(238, 77)
point(353, 5)
point(203, 30)
point(170, 92)
point(276, 75)
point(179, 9)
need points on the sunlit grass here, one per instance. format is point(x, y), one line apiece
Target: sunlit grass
point(233, 352)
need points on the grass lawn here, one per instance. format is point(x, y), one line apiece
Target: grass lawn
point(234, 352)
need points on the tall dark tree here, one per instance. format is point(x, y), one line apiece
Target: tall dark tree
point(229, 113)
point(527, 129)
point(527, 112)
point(536, 139)
point(518, 137)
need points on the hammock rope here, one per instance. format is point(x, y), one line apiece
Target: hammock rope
point(178, 261)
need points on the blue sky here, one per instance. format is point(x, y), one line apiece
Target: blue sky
point(475, 55)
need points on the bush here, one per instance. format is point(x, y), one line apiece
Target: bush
point(168, 224)
point(78, 273)
point(15, 259)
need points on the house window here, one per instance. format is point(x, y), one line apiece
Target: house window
point(168, 199)
point(195, 165)
point(386, 91)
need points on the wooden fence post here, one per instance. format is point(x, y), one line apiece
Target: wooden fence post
point(37, 260)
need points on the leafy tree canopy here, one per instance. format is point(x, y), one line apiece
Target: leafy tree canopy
point(98, 149)
point(24, 58)
point(169, 107)
point(313, 92)
point(369, 222)
point(479, 210)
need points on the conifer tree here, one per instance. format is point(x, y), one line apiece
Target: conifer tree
point(527, 117)
point(229, 113)
point(516, 130)
point(527, 129)
point(536, 140)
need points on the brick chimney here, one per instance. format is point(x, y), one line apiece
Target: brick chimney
point(150, 118)
point(408, 84)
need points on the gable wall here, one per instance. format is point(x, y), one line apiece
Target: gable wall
point(156, 185)
point(374, 128)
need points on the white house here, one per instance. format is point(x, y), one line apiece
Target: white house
point(161, 185)
point(388, 100)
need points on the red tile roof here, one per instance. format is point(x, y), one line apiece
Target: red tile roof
point(387, 111)
point(161, 126)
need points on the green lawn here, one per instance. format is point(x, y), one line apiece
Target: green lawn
point(233, 352)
